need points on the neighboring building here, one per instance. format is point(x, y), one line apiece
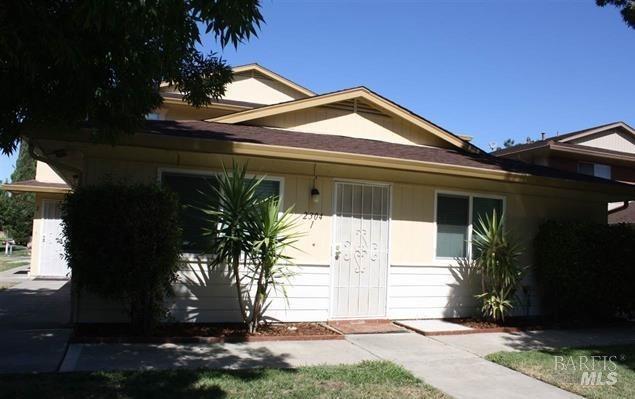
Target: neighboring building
point(47, 250)
point(398, 196)
point(606, 151)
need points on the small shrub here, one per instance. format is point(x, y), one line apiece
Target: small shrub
point(123, 243)
point(244, 227)
point(586, 270)
point(496, 262)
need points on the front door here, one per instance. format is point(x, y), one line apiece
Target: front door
point(52, 263)
point(360, 250)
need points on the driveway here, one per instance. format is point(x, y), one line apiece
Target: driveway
point(34, 317)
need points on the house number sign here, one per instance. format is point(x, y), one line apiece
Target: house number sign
point(312, 217)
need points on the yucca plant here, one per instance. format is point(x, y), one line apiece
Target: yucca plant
point(230, 206)
point(496, 255)
point(273, 233)
point(250, 235)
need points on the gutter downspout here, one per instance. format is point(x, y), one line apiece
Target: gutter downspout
point(77, 178)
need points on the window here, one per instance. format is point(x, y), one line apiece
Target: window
point(457, 216)
point(154, 116)
point(452, 226)
point(594, 169)
point(195, 191)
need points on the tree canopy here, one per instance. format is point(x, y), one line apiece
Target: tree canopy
point(627, 9)
point(71, 63)
point(16, 210)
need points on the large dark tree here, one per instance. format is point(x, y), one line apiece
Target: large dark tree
point(627, 9)
point(68, 63)
point(16, 210)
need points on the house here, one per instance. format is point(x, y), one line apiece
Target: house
point(386, 199)
point(47, 249)
point(606, 151)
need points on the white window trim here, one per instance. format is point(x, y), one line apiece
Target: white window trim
point(470, 195)
point(192, 256)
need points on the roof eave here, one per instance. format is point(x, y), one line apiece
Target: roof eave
point(26, 188)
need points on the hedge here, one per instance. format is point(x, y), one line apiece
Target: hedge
point(123, 243)
point(586, 270)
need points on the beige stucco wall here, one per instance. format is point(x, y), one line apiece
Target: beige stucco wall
point(343, 122)
point(44, 173)
point(419, 284)
point(259, 89)
point(413, 197)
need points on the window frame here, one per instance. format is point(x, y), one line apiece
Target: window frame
point(190, 256)
point(470, 195)
point(594, 165)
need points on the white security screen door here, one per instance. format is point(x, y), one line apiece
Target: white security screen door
point(360, 250)
point(52, 261)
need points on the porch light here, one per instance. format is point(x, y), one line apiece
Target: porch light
point(315, 195)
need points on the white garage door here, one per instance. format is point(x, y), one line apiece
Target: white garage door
point(52, 263)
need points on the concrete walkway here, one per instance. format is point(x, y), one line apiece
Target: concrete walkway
point(281, 354)
point(34, 316)
point(484, 344)
point(454, 371)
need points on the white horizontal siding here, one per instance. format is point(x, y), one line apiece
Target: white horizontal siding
point(207, 295)
point(433, 292)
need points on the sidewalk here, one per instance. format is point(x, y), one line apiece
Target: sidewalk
point(277, 354)
point(484, 344)
point(456, 372)
point(34, 315)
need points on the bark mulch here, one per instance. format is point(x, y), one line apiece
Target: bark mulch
point(200, 332)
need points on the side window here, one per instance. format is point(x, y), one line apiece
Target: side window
point(483, 207)
point(195, 191)
point(595, 169)
point(457, 217)
point(268, 188)
point(603, 171)
point(452, 226)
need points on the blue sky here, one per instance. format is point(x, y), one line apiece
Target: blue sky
point(491, 69)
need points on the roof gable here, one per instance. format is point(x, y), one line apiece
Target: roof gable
point(616, 137)
point(614, 140)
point(356, 96)
point(580, 134)
point(252, 86)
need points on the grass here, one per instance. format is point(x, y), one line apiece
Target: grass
point(20, 257)
point(364, 380)
point(541, 364)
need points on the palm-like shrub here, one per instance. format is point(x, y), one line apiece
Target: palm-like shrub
point(273, 233)
point(496, 256)
point(230, 207)
point(249, 235)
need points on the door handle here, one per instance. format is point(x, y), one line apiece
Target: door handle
point(337, 251)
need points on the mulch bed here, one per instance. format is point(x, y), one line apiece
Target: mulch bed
point(518, 324)
point(202, 333)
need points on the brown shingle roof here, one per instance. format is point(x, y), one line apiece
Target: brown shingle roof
point(343, 144)
point(545, 142)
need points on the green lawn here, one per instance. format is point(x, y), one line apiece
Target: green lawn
point(367, 379)
point(20, 257)
point(541, 364)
